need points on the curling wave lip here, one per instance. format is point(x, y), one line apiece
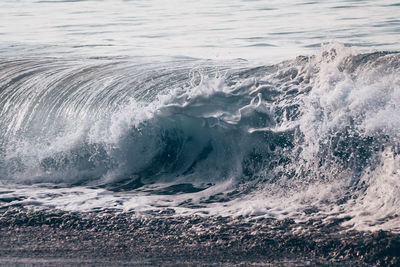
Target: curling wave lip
point(306, 134)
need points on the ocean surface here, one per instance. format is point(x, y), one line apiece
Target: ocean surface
point(249, 111)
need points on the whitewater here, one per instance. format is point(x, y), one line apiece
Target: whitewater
point(284, 113)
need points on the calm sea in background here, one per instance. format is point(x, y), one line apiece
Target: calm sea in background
point(264, 31)
point(246, 131)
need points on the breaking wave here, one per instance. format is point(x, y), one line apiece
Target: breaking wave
point(317, 129)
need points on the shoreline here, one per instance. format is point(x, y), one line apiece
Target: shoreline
point(57, 238)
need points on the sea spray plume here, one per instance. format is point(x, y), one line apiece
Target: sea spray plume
point(342, 144)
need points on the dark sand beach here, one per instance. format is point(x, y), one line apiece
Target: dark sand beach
point(110, 238)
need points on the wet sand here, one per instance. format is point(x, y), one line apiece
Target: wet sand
point(110, 238)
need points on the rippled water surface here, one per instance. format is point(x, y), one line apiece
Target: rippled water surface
point(258, 30)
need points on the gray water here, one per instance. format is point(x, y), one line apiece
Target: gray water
point(249, 131)
point(262, 31)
